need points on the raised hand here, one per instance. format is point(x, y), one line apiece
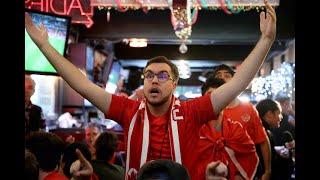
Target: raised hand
point(212, 171)
point(81, 168)
point(70, 139)
point(39, 34)
point(268, 23)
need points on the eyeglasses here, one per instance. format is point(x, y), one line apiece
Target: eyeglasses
point(162, 76)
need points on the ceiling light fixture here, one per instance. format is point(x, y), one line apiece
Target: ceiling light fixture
point(138, 42)
point(184, 69)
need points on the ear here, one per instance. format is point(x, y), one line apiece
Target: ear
point(33, 91)
point(269, 114)
point(175, 85)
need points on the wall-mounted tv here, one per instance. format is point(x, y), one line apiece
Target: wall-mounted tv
point(58, 31)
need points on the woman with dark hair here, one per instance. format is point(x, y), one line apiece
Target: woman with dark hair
point(270, 114)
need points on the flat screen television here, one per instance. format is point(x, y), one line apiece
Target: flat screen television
point(58, 31)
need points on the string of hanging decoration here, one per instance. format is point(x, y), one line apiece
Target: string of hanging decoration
point(280, 80)
point(184, 13)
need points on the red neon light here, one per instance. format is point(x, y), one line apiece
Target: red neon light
point(80, 10)
point(57, 12)
point(74, 6)
point(38, 3)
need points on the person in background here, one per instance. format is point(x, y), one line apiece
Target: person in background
point(104, 147)
point(226, 141)
point(137, 94)
point(247, 115)
point(92, 130)
point(34, 119)
point(288, 113)
point(121, 90)
point(285, 134)
point(31, 166)
point(69, 156)
point(281, 163)
point(47, 148)
point(163, 169)
point(160, 126)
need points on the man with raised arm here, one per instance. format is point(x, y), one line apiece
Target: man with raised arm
point(160, 126)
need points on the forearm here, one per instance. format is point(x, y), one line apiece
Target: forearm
point(76, 79)
point(251, 65)
point(242, 78)
point(69, 72)
point(266, 154)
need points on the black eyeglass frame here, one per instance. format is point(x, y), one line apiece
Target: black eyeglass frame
point(143, 76)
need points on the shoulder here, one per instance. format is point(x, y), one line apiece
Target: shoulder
point(201, 100)
point(120, 100)
point(246, 104)
point(249, 107)
point(35, 107)
point(119, 168)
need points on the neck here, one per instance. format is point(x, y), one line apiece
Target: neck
point(26, 103)
point(60, 170)
point(160, 110)
point(43, 174)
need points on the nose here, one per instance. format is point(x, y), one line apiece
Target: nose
point(154, 79)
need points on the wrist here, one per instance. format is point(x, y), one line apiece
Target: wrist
point(267, 39)
point(267, 171)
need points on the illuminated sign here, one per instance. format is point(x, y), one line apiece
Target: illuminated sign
point(80, 10)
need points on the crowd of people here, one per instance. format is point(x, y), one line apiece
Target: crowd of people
point(215, 136)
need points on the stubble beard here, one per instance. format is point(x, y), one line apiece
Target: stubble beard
point(161, 102)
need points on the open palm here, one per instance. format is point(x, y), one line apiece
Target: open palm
point(38, 35)
point(268, 23)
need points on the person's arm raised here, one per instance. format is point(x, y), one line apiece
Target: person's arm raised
point(222, 96)
point(69, 72)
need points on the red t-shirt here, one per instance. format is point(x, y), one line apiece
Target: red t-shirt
point(233, 136)
point(195, 113)
point(159, 147)
point(248, 116)
point(55, 176)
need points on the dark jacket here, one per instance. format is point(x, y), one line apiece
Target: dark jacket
point(34, 118)
point(107, 171)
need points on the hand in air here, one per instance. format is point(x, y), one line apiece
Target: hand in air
point(268, 23)
point(213, 172)
point(81, 168)
point(39, 34)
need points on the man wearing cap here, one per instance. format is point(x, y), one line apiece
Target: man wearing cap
point(247, 115)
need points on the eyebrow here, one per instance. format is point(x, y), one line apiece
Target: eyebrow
point(163, 71)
